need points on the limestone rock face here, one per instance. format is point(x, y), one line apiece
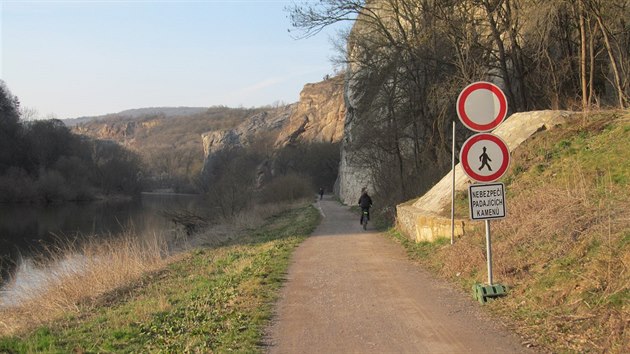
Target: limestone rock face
point(317, 117)
point(353, 173)
point(351, 179)
point(215, 142)
point(110, 131)
point(242, 135)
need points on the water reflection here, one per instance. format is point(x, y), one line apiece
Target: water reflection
point(28, 278)
point(26, 230)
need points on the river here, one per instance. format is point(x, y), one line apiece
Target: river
point(26, 229)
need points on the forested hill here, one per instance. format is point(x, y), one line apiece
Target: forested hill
point(138, 113)
point(41, 161)
point(175, 142)
point(167, 139)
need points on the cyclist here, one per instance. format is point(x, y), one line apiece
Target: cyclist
point(365, 202)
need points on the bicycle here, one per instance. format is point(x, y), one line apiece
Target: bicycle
point(364, 219)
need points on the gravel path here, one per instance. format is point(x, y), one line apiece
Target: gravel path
point(355, 291)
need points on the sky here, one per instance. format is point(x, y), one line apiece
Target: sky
point(68, 59)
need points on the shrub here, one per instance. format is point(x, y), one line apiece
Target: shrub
point(287, 188)
point(51, 187)
point(16, 186)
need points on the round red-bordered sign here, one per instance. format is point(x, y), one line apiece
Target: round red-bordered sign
point(484, 157)
point(481, 106)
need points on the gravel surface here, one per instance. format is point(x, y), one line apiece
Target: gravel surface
point(355, 291)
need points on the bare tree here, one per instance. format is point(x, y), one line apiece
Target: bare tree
point(408, 59)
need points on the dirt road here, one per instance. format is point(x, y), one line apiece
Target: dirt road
point(355, 291)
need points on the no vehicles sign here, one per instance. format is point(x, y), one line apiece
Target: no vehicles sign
point(481, 106)
point(487, 201)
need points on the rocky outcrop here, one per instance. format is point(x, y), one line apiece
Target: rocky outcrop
point(317, 117)
point(352, 177)
point(268, 123)
point(109, 131)
point(353, 173)
point(420, 219)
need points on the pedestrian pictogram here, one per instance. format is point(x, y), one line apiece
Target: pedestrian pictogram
point(485, 157)
point(481, 106)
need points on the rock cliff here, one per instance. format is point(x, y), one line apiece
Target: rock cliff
point(258, 126)
point(317, 117)
point(353, 173)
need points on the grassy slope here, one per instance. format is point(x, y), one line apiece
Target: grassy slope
point(564, 248)
point(215, 299)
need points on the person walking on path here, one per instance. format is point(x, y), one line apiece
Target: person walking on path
point(321, 193)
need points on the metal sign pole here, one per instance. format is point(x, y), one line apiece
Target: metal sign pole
point(489, 251)
point(453, 192)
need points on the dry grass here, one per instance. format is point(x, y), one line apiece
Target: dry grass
point(564, 248)
point(565, 252)
point(95, 271)
point(213, 299)
point(228, 230)
point(54, 285)
point(566, 257)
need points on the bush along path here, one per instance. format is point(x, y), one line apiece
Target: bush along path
point(213, 300)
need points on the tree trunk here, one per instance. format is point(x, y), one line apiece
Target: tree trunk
point(613, 62)
point(583, 48)
point(519, 65)
point(502, 56)
point(591, 78)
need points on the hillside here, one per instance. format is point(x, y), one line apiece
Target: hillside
point(138, 113)
point(175, 143)
point(564, 248)
point(169, 144)
point(317, 118)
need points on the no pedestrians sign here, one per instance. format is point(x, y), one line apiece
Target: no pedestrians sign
point(485, 157)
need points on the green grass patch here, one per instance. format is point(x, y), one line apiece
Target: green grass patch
point(421, 251)
point(212, 300)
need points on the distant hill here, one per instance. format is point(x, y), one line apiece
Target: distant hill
point(168, 112)
point(167, 138)
point(174, 142)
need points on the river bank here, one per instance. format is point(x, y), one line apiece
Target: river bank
point(28, 230)
point(217, 296)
